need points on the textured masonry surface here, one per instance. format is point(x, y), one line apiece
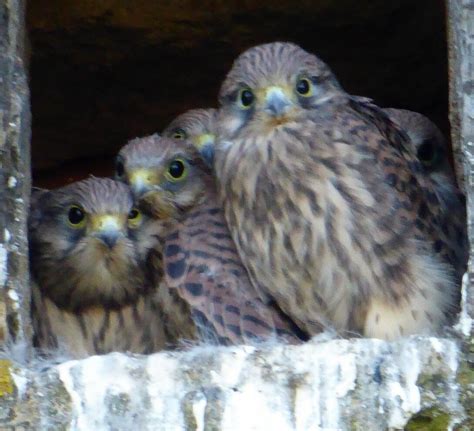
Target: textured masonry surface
point(418, 383)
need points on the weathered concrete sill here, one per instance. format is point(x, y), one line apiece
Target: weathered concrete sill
point(416, 383)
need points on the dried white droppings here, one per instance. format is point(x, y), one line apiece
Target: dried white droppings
point(403, 390)
point(347, 371)
point(165, 388)
point(449, 351)
point(92, 382)
point(13, 295)
point(21, 381)
point(12, 182)
point(231, 366)
point(199, 410)
point(3, 265)
point(305, 412)
point(66, 377)
point(256, 406)
point(334, 382)
point(308, 387)
point(464, 324)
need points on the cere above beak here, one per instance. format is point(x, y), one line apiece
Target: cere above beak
point(205, 139)
point(276, 102)
point(205, 144)
point(141, 181)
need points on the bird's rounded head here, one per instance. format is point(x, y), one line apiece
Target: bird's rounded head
point(84, 243)
point(166, 175)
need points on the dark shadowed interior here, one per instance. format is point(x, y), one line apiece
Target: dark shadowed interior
point(105, 72)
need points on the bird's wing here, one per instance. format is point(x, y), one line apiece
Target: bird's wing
point(202, 264)
point(415, 190)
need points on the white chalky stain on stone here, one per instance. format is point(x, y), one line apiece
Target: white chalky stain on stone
point(21, 381)
point(303, 388)
point(256, 406)
point(405, 388)
point(3, 265)
point(199, 410)
point(13, 295)
point(65, 376)
point(465, 322)
point(347, 375)
point(166, 389)
point(231, 366)
point(12, 182)
point(306, 415)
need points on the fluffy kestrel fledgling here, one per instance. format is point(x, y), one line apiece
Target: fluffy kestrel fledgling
point(206, 293)
point(91, 291)
point(432, 151)
point(332, 213)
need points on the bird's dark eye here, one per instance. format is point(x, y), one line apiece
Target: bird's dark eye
point(303, 87)
point(133, 214)
point(426, 153)
point(119, 168)
point(76, 216)
point(134, 217)
point(179, 134)
point(246, 98)
point(176, 170)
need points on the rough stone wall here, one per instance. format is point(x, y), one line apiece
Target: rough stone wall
point(15, 180)
point(419, 383)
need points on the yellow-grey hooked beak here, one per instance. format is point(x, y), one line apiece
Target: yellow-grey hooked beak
point(141, 181)
point(108, 228)
point(276, 101)
point(205, 144)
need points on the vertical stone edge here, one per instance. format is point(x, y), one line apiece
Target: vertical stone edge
point(15, 175)
point(460, 16)
point(461, 106)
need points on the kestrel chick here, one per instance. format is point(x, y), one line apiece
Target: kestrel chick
point(87, 251)
point(431, 149)
point(329, 207)
point(199, 127)
point(206, 287)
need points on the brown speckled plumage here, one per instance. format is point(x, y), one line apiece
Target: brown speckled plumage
point(332, 213)
point(203, 273)
point(91, 297)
